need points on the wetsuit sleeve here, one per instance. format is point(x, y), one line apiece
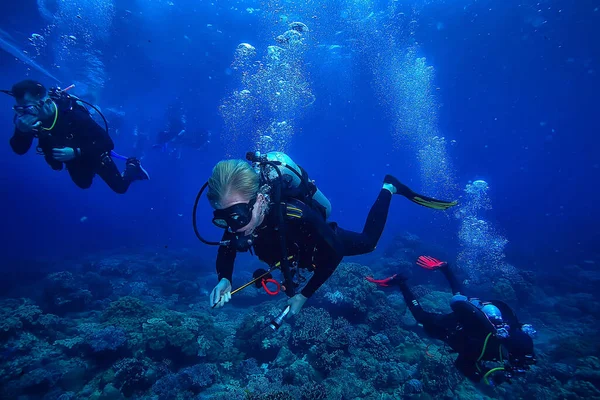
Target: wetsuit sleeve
point(94, 140)
point(468, 367)
point(329, 248)
point(322, 273)
point(21, 142)
point(225, 260)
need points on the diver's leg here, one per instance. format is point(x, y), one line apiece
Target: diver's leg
point(436, 325)
point(110, 174)
point(413, 304)
point(355, 243)
point(118, 182)
point(108, 171)
point(451, 278)
point(366, 241)
point(432, 264)
point(80, 174)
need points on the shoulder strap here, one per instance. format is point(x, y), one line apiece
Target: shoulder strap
point(304, 192)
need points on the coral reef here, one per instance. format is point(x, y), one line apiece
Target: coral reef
point(139, 326)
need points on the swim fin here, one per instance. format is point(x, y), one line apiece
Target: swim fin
point(396, 279)
point(430, 263)
point(380, 282)
point(419, 199)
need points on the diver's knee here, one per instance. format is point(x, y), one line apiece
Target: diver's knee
point(83, 185)
point(120, 189)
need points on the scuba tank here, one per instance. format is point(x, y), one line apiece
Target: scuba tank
point(296, 178)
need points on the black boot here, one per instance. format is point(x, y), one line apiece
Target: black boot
point(401, 188)
point(134, 170)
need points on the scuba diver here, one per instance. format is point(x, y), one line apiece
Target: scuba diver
point(176, 125)
point(195, 140)
point(178, 134)
point(480, 332)
point(67, 137)
point(165, 138)
point(173, 144)
point(275, 211)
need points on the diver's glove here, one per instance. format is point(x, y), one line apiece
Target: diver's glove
point(65, 154)
point(296, 303)
point(421, 200)
point(221, 294)
point(27, 123)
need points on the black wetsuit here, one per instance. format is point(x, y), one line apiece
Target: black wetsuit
point(465, 330)
point(164, 138)
point(313, 242)
point(195, 140)
point(75, 128)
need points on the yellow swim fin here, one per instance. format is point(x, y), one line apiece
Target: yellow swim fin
point(421, 200)
point(432, 203)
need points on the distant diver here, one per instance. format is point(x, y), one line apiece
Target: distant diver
point(196, 139)
point(175, 136)
point(67, 136)
point(480, 332)
point(165, 139)
point(277, 212)
point(172, 143)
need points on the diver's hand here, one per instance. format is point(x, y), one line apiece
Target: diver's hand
point(27, 123)
point(221, 294)
point(296, 303)
point(64, 155)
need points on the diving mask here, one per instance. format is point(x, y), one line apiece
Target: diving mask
point(29, 109)
point(234, 217)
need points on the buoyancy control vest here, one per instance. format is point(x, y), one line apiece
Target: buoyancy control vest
point(297, 184)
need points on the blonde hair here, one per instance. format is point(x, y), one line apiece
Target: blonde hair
point(232, 176)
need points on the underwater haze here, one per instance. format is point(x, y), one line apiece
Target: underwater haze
point(493, 104)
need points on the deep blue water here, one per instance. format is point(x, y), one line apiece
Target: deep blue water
point(518, 84)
